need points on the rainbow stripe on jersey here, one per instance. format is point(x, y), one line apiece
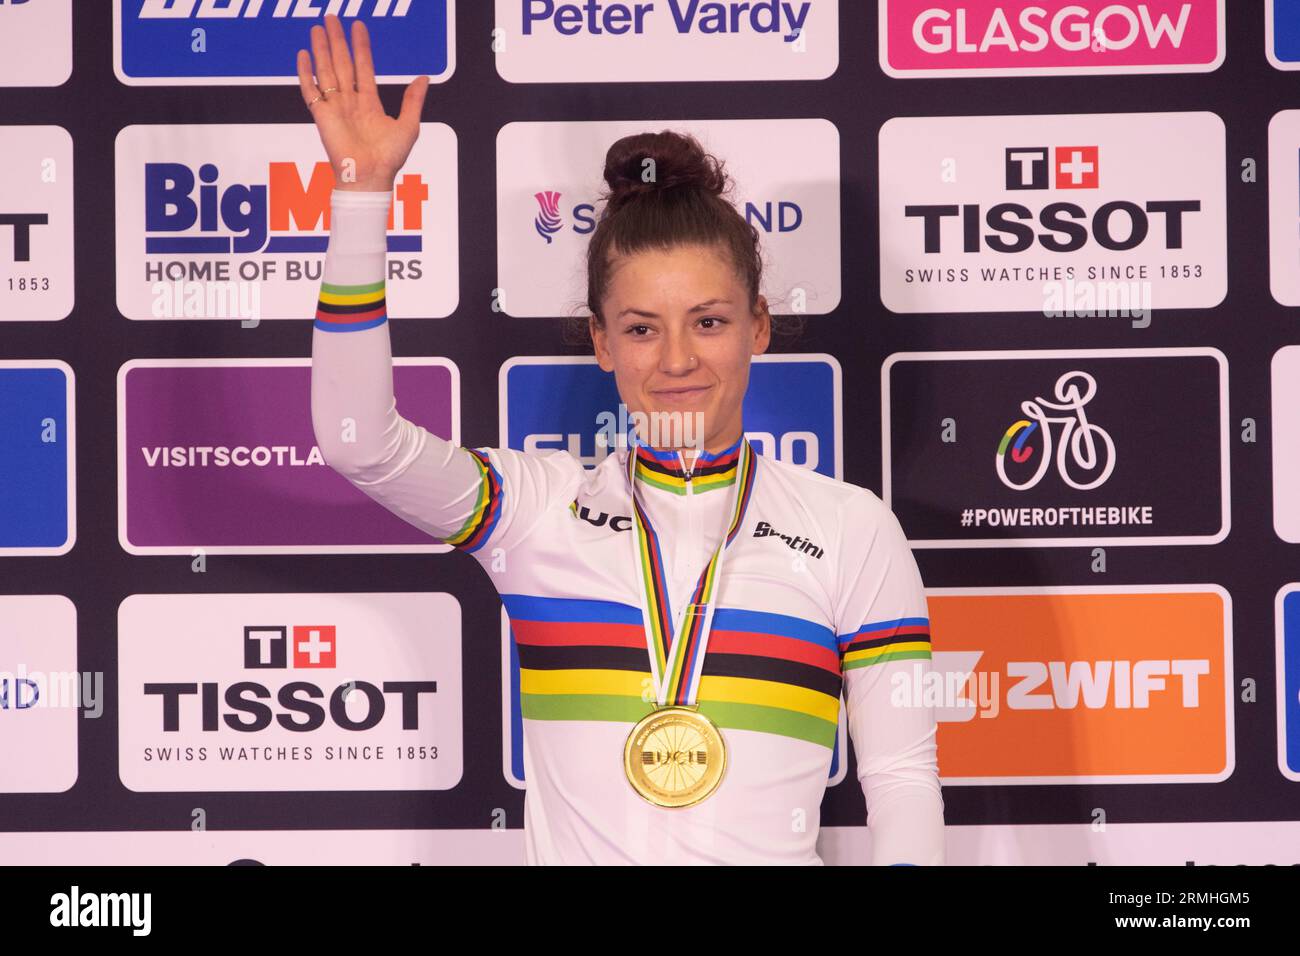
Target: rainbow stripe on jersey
point(350, 308)
point(487, 508)
point(586, 660)
point(902, 639)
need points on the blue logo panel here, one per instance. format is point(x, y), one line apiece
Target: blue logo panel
point(33, 458)
point(1289, 679)
point(1286, 30)
point(790, 410)
point(260, 41)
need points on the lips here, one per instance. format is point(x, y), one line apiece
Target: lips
point(696, 397)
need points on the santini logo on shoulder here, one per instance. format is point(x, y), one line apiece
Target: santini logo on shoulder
point(765, 530)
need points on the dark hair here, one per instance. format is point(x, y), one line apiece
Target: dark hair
point(665, 191)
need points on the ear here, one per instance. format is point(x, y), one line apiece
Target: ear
point(762, 326)
point(600, 345)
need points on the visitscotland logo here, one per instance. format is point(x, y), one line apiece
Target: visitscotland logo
point(765, 530)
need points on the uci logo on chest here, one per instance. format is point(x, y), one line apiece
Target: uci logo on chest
point(601, 519)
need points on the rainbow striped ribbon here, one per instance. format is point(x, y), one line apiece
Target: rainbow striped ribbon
point(676, 661)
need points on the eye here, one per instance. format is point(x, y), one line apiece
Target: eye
point(714, 318)
point(631, 330)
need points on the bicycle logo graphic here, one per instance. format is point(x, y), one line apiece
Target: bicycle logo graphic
point(1079, 437)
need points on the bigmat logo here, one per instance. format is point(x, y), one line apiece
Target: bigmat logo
point(219, 456)
point(1286, 442)
point(920, 38)
point(36, 243)
point(35, 42)
point(223, 42)
point(40, 693)
point(232, 222)
point(512, 719)
point(1284, 207)
point(1282, 33)
point(792, 409)
point(1119, 684)
point(1286, 612)
point(38, 480)
point(1057, 447)
point(356, 691)
point(549, 182)
point(1017, 213)
point(669, 41)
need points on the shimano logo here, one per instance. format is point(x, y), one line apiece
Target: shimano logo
point(765, 530)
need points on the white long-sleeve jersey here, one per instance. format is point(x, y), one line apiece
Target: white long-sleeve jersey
point(819, 596)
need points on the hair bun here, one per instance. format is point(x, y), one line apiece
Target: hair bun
point(678, 161)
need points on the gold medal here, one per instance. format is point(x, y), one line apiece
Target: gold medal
point(675, 757)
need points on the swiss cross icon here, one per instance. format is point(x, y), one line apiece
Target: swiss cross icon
point(1076, 167)
point(313, 645)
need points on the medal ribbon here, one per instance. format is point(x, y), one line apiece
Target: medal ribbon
point(676, 661)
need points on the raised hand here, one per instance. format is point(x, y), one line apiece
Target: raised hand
point(365, 145)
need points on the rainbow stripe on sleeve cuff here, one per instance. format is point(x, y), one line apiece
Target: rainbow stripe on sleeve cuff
point(487, 510)
point(905, 638)
point(350, 308)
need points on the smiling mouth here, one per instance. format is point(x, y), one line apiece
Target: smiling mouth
point(680, 391)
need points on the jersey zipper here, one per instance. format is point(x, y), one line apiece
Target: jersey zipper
point(690, 545)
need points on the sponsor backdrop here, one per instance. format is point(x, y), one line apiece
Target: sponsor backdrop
point(1049, 258)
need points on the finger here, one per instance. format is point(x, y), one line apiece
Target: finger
point(309, 91)
point(413, 102)
point(320, 51)
point(365, 64)
point(340, 56)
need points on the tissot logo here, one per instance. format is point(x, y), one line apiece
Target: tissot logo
point(794, 543)
point(1122, 224)
point(313, 646)
point(1021, 213)
point(291, 692)
point(352, 705)
point(1074, 167)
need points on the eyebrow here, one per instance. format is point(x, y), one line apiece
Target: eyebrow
point(695, 308)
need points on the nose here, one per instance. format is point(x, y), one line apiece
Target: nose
point(676, 357)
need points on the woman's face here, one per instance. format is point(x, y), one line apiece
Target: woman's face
point(661, 309)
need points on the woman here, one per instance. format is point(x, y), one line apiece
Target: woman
point(673, 712)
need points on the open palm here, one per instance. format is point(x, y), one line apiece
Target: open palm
point(366, 147)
